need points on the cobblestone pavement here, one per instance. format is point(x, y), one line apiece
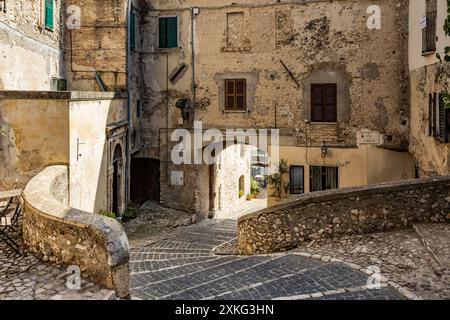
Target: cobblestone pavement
point(417, 259)
point(154, 219)
point(24, 277)
point(182, 265)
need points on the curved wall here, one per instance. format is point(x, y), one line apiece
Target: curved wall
point(97, 245)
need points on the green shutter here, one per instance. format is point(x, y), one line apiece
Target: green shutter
point(162, 33)
point(172, 32)
point(132, 30)
point(49, 14)
point(168, 32)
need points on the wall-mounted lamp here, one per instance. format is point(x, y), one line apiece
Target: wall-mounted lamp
point(324, 149)
point(3, 5)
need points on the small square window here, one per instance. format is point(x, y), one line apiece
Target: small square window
point(235, 95)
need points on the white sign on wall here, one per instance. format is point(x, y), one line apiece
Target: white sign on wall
point(176, 178)
point(369, 137)
point(423, 22)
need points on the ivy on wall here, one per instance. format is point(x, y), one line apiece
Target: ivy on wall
point(276, 180)
point(446, 56)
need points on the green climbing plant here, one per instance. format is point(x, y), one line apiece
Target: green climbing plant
point(276, 180)
point(107, 213)
point(446, 56)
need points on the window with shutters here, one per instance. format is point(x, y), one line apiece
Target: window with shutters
point(429, 32)
point(48, 14)
point(438, 118)
point(296, 179)
point(235, 95)
point(441, 120)
point(132, 30)
point(324, 102)
point(168, 32)
point(323, 178)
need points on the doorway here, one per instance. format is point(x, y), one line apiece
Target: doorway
point(145, 180)
point(117, 181)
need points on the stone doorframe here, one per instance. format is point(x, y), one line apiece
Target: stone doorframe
point(116, 138)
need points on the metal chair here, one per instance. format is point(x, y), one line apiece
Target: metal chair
point(9, 218)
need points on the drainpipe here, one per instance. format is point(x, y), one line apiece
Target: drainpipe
point(194, 13)
point(128, 71)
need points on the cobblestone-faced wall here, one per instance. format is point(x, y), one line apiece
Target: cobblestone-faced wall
point(57, 233)
point(358, 210)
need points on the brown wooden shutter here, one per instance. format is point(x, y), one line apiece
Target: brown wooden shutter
point(236, 94)
point(229, 94)
point(324, 102)
point(240, 94)
point(330, 112)
point(316, 103)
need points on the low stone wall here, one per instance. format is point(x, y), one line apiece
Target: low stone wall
point(57, 233)
point(357, 210)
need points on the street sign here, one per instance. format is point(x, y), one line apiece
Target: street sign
point(423, 22)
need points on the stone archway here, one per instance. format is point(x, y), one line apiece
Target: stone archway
point(229, 183)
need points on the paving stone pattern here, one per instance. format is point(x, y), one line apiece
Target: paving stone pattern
point(184, 266)
point(24, 277)
point(401, 256)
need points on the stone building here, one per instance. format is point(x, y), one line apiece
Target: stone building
point(430, 125)
point(335, 87)
point(106, 84)
point(66, 97)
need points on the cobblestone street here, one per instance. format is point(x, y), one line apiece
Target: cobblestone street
point(182, 265)
point(401, 256)
point(198, 262)
point(24, 277)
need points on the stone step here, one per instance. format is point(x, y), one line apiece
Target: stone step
point(166, 256)
point(157, 250)
point(171, 244)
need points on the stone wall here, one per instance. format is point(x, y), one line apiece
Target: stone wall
point(98, 45)
point(431, 155)
point(317, 40)
point(35, 134)
point(31, 54)
point(60, 234)
point(357, 210)
point(427, 77)
point(325, 41)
